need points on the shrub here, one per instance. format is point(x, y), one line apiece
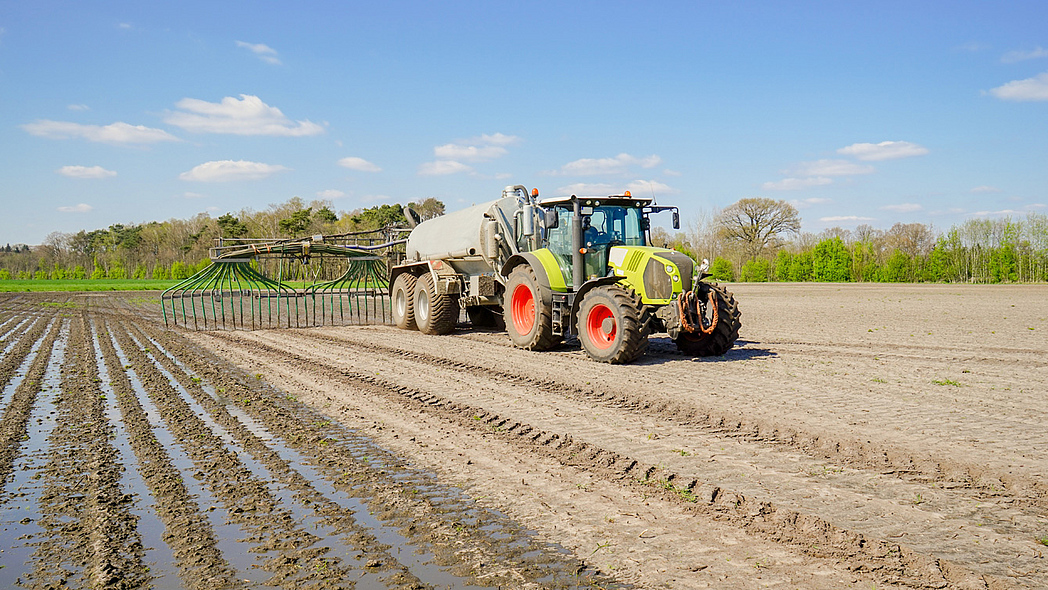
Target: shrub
point(755, 271)
point(722, 270)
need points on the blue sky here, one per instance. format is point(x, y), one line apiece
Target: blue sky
point(125, 112)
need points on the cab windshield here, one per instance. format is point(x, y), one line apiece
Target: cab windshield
point(621, 225)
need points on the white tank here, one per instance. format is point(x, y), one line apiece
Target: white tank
point(466, 233)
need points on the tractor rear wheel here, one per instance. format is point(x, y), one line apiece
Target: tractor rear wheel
point(610, 327)
point(724, 333)
point(404, 302)
point(434, 313)
point(529, 319)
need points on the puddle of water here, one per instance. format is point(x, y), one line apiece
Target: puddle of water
point(13, 335)
point(301, 512)
point(418, 561)
point(159, 557)
point(228, 536)
point(20, 513)
point(19, 374)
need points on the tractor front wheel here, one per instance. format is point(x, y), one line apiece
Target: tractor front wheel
point(724, 334)
point(404, 302)
point(610, 327)
point(529, 319)
point(434, 313)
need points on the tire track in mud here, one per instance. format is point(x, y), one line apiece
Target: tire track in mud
point(1012, 488)
point(893, 561)
point(483, 547)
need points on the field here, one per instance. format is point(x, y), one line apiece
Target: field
point(859, 436)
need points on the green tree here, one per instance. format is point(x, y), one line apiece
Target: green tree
point(801, 267)
point(159, 272)
point(297, 223)
point(325, 215)
point(5, 275)
point(722, 270)
point(140, 271)
point(78, 273)
point(897, 269)
point(831, 261)
point(231, 226)
point(755, 271)
point(782, 265)
point(380, 216)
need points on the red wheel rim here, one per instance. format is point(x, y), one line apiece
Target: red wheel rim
point(522, 306)
point(595, 326)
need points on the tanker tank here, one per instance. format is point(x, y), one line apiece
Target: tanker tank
point(469, 239)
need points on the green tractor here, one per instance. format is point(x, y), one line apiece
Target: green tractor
point(598, 277)
point(560, 267)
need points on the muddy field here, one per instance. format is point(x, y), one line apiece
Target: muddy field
point(887, 436)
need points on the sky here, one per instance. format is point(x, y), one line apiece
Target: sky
point(856, 113)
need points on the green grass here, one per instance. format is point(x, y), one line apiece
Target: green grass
point(15, 285)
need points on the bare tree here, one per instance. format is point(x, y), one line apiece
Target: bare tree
point(756, 224)
point(915, 239)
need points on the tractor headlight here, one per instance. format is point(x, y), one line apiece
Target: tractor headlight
point(670, 269)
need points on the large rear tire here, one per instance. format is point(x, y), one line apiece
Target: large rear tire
point(434, 313)
point(610, 327)
point(723, 337)
point(529, 318)
point(404, 302)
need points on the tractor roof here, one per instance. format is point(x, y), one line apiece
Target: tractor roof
point(626, 200)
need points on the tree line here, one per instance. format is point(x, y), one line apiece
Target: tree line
point(759, 240)
point(753, 240)
point(178, 248)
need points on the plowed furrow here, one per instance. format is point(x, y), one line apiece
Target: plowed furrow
point(186, 528)
point(90, 537)
point(864, 455)
point(890, 560)
point(17, 355)
point(16, 414)
point(450, 531)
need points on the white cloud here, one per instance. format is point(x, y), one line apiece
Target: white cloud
point(469, 153)
point(359, 164)
point(795, 184)
point(1035, 88)
point(116, 133)
point(125, 26)
point(78, 107)
point(600, 166)
point(81, 208)
point(331, 194)
point(647, 187)
point(986, 189)
point(903, 208)
point(263, 51)
point(844, 218)
point(830, 168)
point(442, 168)
point(85, 172)
point(669, 172)
point(246, 116)
point(1014, 56)
point(640, 188)
point(1000, 213)
point(476, 149)
point(587, 189)
point(806, 203)
point(226, 170)
point(885, 150)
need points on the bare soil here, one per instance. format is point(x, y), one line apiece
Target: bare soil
point(858, 436)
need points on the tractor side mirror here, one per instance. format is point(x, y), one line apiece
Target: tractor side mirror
point(550, 219)
point(676, 219)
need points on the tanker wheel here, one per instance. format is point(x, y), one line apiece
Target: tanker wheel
point(485, 316)
point(724, 334)
point(434, 313)
point(404, 302)
point(610, 327)
point(529, 320)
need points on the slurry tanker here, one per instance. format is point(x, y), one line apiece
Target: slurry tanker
point(565, 266)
